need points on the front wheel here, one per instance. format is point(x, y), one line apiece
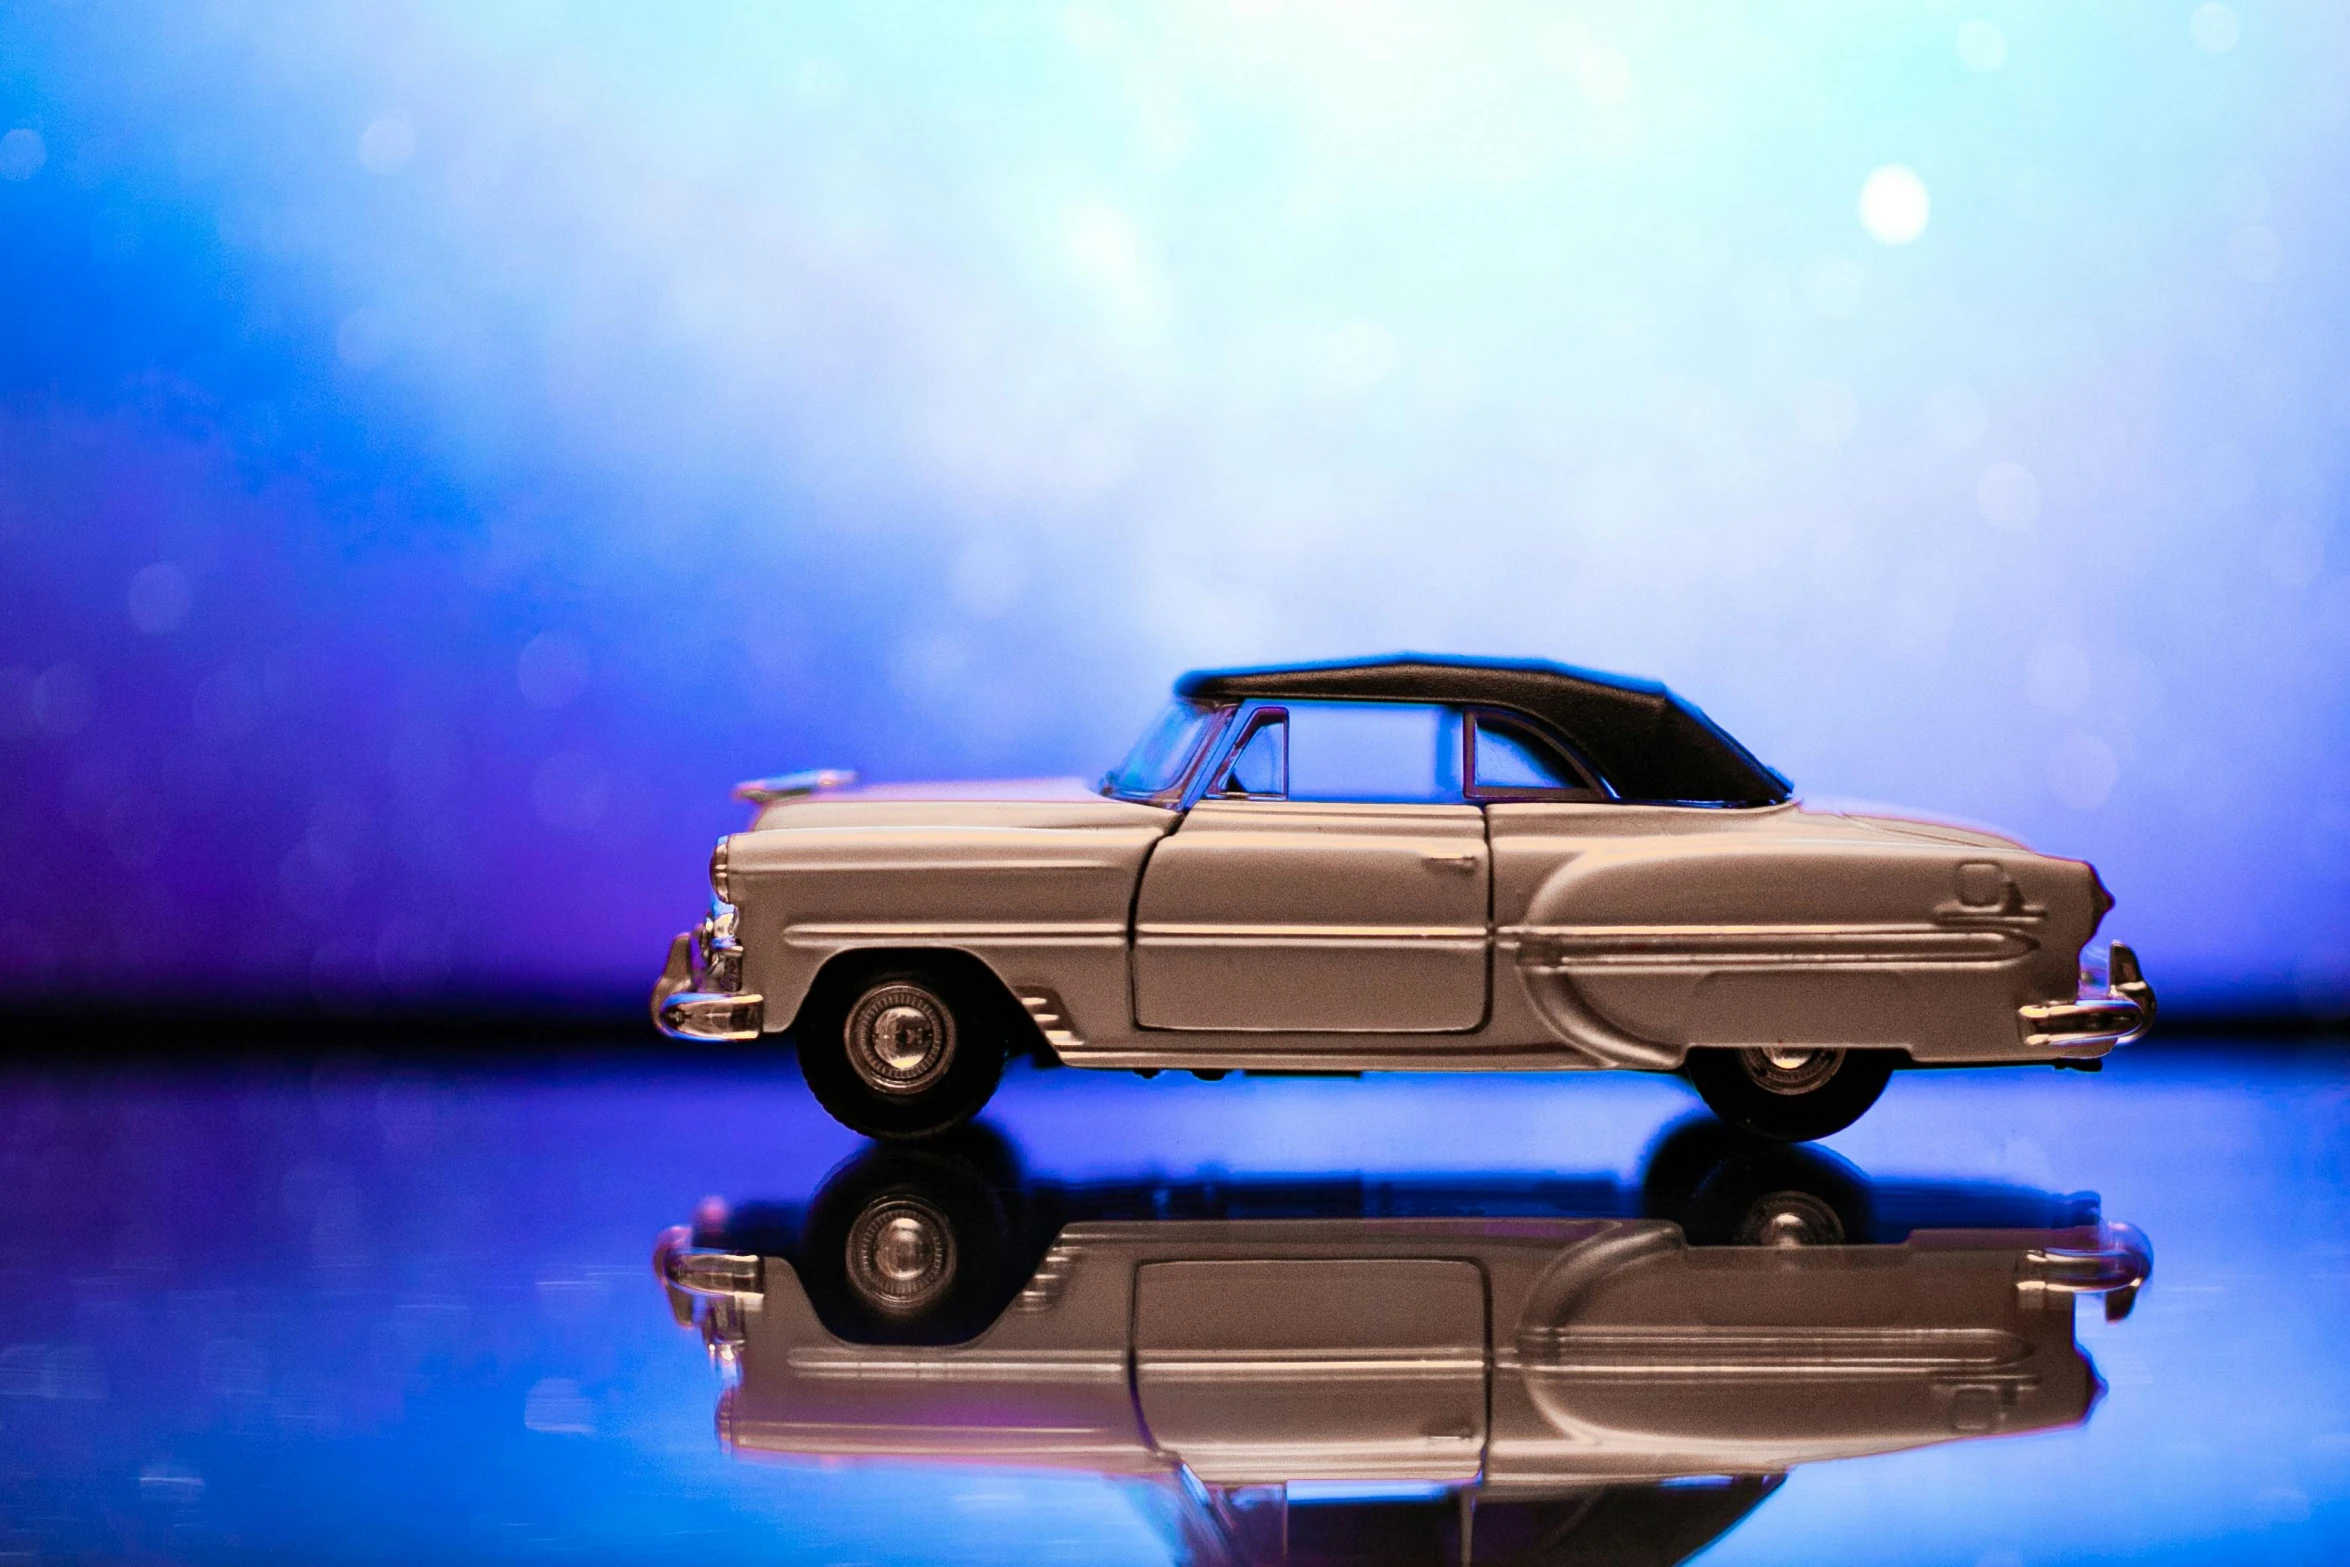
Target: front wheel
point(1788, 1093)
point(902, 1053)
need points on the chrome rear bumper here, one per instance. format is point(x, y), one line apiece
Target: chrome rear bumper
point(698, 995)
point(2122, 1013)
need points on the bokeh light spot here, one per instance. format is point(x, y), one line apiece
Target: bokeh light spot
point(2293, 553)
point(18, 717)
point(1956, 418)
point(1359, 358)
point(2253, 253)
point(1894, 204)
point(2243, 195)
point(2008, 496)
point(1835, 285)
point(2057, 678)
point(22, 152)
point(569, 791)
point(2214, 28)
point(2082, 771)
point(386, 146)
point(552, 670)
point(1827, 413)
point(1603, 75)
point(2227, 477)
point(1982, 46)
point(819, 82)
point(159, 599)
point(64, 699)
point(365, 339)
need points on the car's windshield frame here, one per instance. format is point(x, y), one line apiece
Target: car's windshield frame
point(1165, 785)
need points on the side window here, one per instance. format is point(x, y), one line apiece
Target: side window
point(1260, 769)
point(1384, 752)
point(1509, 760)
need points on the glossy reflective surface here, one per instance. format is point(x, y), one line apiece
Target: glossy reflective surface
point(382, 1313)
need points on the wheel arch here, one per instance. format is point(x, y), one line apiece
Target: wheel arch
point(854, 965)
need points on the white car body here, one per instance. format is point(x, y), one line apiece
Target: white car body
point(1565, 928)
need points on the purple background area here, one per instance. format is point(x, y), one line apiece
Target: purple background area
point(441, 450)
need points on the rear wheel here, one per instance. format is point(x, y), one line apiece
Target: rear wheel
point(903, 1052)
point(1788, 1093)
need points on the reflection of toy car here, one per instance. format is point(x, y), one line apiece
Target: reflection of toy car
point(1409, 864)
point(1535, 1341)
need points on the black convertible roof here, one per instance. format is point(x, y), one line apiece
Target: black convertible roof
point(1646, 742)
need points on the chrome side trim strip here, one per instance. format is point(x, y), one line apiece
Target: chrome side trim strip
point(1220, 934)
point(1644, 946)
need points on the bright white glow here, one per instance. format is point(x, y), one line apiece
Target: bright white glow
point(1894, 205)
point(1603, 75)
point(2214, 28)
point(1982, 46)
point(160, 598)
point(2009, 496)
point(22, 152)
point(1360, 357)
point(386, 146)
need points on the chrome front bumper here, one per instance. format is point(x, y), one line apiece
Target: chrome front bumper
point(2121, 1013)
point(699, 995)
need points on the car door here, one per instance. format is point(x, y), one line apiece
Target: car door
point(1333, 879)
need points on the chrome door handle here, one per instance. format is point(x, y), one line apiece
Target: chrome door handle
point(1466, 861)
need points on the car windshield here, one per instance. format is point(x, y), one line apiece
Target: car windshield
point(1164, 754)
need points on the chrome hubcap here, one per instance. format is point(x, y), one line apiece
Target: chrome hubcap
point(1784, 1070)
point(901, 1039)
point(1791, 1219)
point(901, 1255)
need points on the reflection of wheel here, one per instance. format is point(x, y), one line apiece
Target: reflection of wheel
point(903, 1052)
point(1789, 1093)
point(1725, 1187)
point(1771, 1195)
point(905, 1246)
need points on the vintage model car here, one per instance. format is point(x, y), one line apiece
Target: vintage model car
point(1413, 863)
point(1550, 1361)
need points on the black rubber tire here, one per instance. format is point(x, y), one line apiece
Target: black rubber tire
point(1731, 1092)
point(961, 1092)
point(1774, 1194)
point(956, 1198)
point(1725, 1187)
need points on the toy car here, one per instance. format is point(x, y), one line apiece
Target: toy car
point(1526, 1349)
point(1413, 863)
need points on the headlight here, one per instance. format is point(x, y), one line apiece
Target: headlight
point(718, 871)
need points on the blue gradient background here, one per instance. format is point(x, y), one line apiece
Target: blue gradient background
point(442, 446)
